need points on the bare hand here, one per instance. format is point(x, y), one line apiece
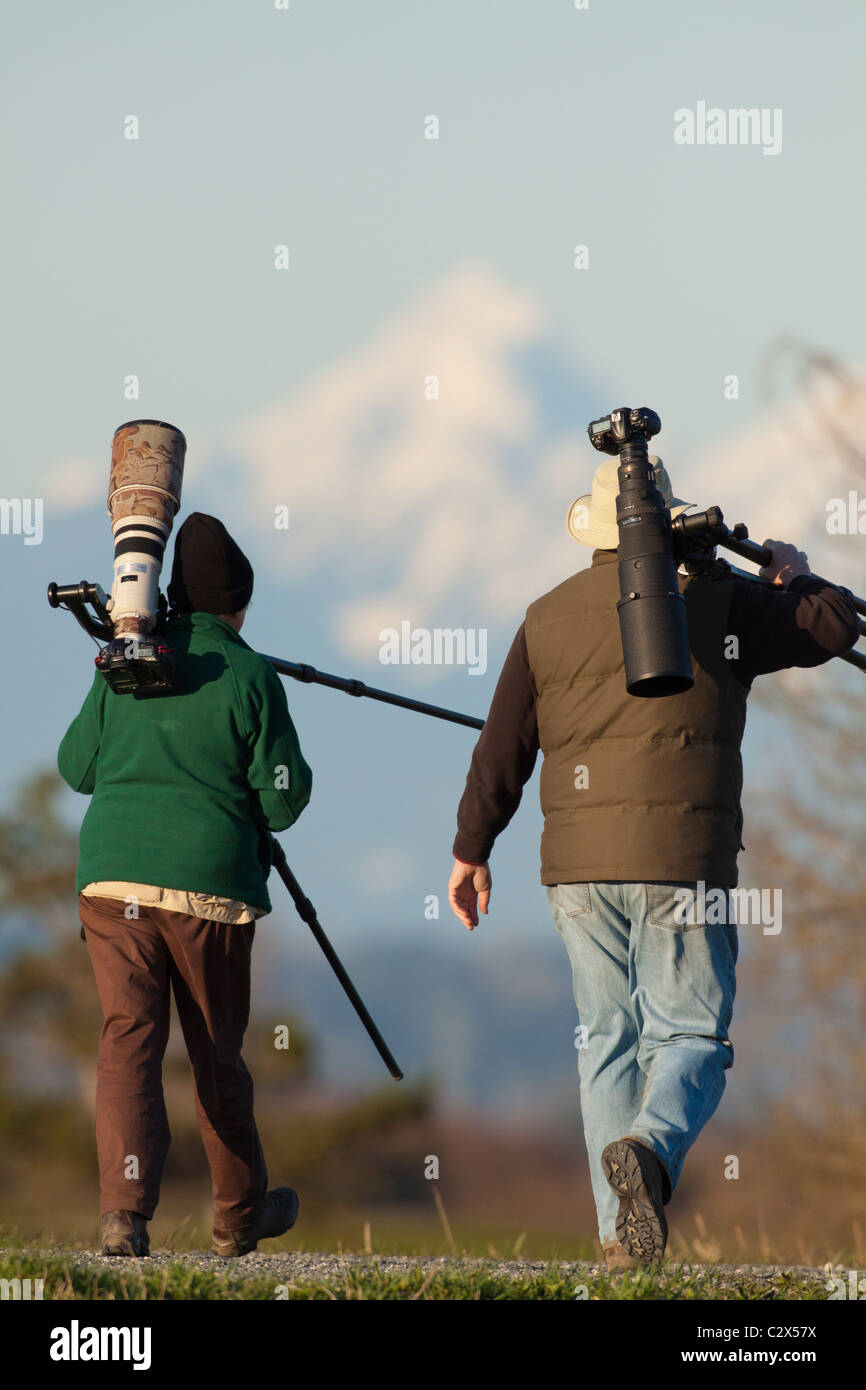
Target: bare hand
point(469, 889)
point(788, 562)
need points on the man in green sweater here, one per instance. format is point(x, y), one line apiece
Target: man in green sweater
point(174, 856)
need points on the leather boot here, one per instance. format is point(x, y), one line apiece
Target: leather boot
point(279, 1215)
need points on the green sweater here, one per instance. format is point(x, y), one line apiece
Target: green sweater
point(185, 785)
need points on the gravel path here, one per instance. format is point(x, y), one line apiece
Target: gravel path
point(327, 1268)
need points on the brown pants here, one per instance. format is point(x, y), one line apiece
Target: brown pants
point(207, 964)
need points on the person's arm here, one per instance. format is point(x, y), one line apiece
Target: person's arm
point(278, 773)
point(79, 748)
point(801, 621)
point(502, 761)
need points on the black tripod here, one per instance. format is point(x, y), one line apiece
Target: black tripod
point(307, 913)
point(696, 535)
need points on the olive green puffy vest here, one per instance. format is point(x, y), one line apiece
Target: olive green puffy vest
point(632, 788)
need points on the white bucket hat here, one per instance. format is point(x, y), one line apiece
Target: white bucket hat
point(592, 518)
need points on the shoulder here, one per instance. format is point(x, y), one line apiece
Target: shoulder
point(571, 595)
point(254, 670)
point(206, 631)
point(253, 677)
point(257, 681)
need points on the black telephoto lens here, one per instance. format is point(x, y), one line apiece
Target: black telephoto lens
point(652, 611)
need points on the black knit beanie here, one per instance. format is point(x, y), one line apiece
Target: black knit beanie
point(210, 573)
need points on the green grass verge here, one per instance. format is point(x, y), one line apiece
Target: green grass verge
point(448, 1281)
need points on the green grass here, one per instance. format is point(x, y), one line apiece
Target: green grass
point(445, 1281)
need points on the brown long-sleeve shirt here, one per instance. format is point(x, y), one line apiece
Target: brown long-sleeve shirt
point(803, 625)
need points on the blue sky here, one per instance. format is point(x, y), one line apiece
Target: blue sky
point(407, 256)
point(306, 127)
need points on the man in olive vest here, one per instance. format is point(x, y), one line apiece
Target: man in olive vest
point(641, 802)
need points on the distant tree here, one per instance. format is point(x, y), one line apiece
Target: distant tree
point(38, 850)
point(809, 831)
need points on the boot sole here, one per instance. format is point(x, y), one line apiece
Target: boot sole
point(641, 1226)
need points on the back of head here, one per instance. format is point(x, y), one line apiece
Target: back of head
point(592, 517)
point(210, 573)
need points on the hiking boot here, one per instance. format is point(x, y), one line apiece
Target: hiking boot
point(279, 1215)
point(124, 1233)
point(616, 1257)
point(637, 1176)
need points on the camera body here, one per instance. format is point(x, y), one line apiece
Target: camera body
point(621, 426)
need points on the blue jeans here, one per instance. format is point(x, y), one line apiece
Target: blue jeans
point(654, 1002)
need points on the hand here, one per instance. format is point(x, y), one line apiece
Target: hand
point(468, 889)
point(787, 563)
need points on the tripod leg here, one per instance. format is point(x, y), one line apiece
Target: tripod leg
point(307, 913)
